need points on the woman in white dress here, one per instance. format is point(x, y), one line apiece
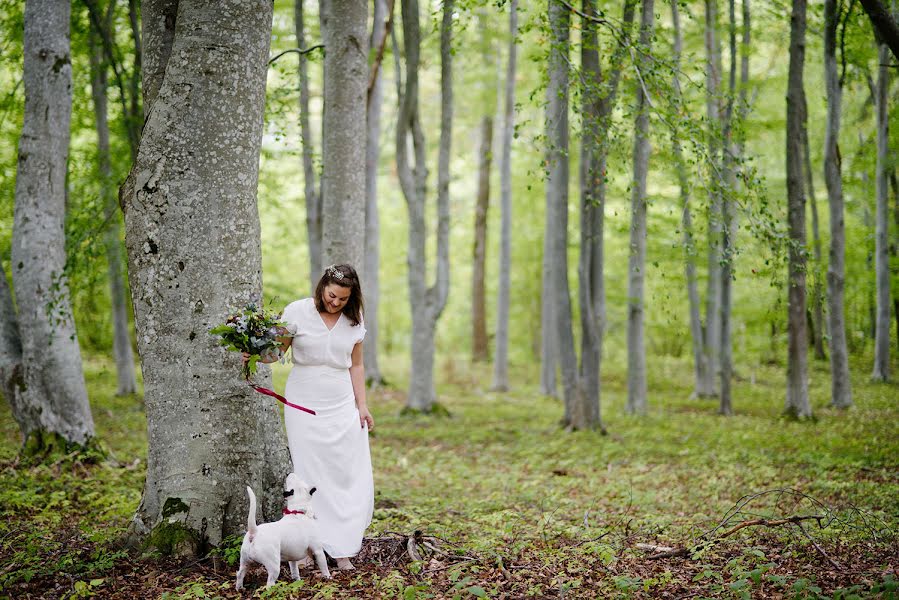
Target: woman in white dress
point(329, 450)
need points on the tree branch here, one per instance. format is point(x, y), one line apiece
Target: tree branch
point(885, 25)
point(299, 51)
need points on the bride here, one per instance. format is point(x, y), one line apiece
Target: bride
point(330, 449)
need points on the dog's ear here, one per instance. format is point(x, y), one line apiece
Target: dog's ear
point(311, 491)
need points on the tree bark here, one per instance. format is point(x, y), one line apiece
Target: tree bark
point(501, 355)
point(881, 370)
point(636, 349)
point(313, 197)
point(121, 347)
point(51, 357)
point(699, 355)
point(712, 341)
point(371, 287)
point(797, 400)
point(840, 386)
point(344, 32)
point(478, 292)
point(429, 302)
point(193, 240)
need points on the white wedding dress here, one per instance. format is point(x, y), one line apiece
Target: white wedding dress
point(329, 450)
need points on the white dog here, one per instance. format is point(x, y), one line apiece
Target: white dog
point(293, 538)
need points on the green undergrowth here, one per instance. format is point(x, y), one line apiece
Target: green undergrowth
point(538, 510)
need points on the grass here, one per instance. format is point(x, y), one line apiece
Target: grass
point(537, 511)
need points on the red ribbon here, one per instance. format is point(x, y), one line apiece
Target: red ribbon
point(281, 398)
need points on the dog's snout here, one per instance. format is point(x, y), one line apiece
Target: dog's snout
point(312, 491)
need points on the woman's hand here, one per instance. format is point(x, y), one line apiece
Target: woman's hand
point(366, 418)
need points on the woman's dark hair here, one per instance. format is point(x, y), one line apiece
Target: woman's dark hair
point(344, 276)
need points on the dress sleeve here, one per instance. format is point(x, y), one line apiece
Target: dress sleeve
point(291, 316)
point(359, 331)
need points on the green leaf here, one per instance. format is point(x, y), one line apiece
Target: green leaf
point(478, 591)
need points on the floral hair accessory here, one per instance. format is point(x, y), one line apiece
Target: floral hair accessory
point(335, 273)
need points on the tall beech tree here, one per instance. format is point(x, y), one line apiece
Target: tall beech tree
point(344, 32)
point(482, 204)
point(429, 301)
point(636, 349)
point(797, 400)
point(881, 371)
point(193, 240)
point(501, 355)
point(371, 287)
point(840, 386)
point(48, 395)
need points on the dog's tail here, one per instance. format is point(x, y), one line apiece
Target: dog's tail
point(251, 517)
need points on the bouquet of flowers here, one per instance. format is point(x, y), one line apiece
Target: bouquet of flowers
point(255, 331)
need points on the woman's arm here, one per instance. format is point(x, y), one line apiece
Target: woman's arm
point(357, 376)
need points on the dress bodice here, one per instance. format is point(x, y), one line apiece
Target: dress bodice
point(315, 344)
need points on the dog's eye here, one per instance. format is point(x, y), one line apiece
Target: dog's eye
point(286, 493)
point(312, 491)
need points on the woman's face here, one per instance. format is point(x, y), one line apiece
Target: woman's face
point(335, 297)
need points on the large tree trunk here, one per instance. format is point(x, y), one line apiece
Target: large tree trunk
point(371, 287)
point(699, 357)
point(797, 401)
point(636, 349)
point(51, 357)
point(121, 347)
point(344, 32)
point(478, 291)
point(501, 355)
point(429, 302)
point(313, 197)
point(192, 234)
point(881, 370)
point(840, 386)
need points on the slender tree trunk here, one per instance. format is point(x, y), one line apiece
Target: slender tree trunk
point(124, 359)
point(313, 197)
point(636, 349)
point(371, 286)
point(479, 341)
point(51, 357)
point(557, 211)
point(699, 356)
point(430, 301)
point(501, 355)
point(344, 32)
point(136, 112)
point(881, 370)
point(797, 401)
point(840, 387)
point(818, 332)
point(192, 234)
point(12, 382)
point(712, 341)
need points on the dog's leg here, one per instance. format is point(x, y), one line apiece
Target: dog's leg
point(240, 575)
point(273, 569)
point(322, 563)
point(294, 571)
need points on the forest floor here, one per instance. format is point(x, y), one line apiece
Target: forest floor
point(500, 502)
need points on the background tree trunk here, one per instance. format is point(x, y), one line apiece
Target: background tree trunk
point(121, 347)
point(344, 33)
point(431, 301)
point(636, 349)
point(712, 341)
point(840, 387)
point(478, 292)
point(797, 402)
point(699, 356)
point(313, 197)
point(818, 333)
point(881, 370)
point(192, 234)
point(501, 355)
point(12, 384)
point(371, 287)
point(51, 357)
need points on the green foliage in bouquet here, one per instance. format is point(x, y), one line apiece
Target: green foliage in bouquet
point(254, 330)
